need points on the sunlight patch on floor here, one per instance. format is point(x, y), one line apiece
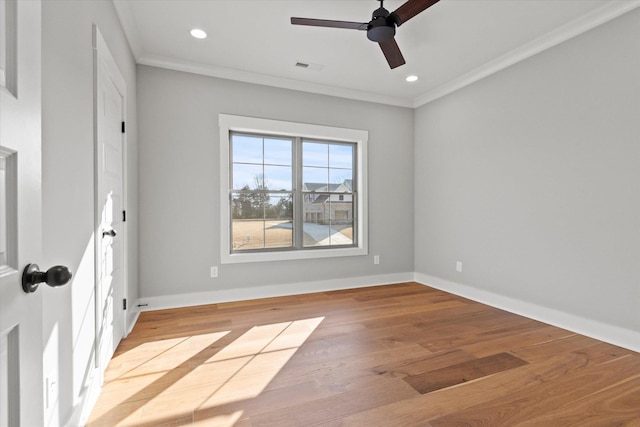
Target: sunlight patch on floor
point(227, 420)
point(172, 379)
point(158, 356)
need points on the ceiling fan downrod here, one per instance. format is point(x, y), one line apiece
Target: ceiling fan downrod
point(382, 26)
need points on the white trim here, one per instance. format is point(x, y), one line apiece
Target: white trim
point(133, 315)
point(273, 81)
point(257, 125)
point(597, 17)
point(616, 335)
point(244, 294)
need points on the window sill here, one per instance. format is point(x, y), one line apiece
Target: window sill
point(238, 258)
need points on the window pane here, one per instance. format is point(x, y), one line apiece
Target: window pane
point(279, 221)
point(328, 220)
point(315, 179)
point(247, 234)
point(247, 177)
point(315, 154)
point(315, 234)
point(247, 149)
point(248, 205)
point(277, 152)
point(279, 207)
point(341, 156)
point(343, 177)
point(261, 220)
point(277, 177)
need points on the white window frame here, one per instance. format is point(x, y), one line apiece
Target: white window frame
point(229, 123)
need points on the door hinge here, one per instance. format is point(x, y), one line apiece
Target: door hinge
point(124, 304)
point(124, 216)
point(122, 127)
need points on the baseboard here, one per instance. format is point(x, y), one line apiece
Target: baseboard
point(612, 334)
point(242, 294)
point(132, 317)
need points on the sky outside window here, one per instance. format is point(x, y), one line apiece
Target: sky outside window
point(259, 161)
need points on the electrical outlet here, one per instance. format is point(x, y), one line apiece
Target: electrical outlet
point(376, 259)
point(51, 388)
point(214, 271)
point(458, 266)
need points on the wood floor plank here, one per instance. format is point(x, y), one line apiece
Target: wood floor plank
point(414, 366)
point(353, 357)
point(521, 406)
point(613, 406)
point(463, 372)
point(546, 349)
point(601, 352)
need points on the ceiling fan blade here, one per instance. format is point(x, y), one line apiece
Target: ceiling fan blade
point(410, 9)
point(392, 53)
point(329, 23)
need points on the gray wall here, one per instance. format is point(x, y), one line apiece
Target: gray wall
point(68, 190)
point(531, 178)
point(179, 182)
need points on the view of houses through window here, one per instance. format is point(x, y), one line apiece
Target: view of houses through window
point(291, 193)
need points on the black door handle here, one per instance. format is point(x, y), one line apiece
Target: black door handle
point(111, 233)
point(54, 277)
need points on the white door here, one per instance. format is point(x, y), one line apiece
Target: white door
point(21, 388)
point(110, 92)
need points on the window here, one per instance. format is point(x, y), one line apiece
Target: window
point(291, 190)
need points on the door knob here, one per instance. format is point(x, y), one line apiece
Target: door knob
point(54, 277)
point(111, 233)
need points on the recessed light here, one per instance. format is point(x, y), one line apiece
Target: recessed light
point(198, 33)
point(411, 78)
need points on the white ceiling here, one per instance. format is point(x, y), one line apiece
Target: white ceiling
point(448, 46)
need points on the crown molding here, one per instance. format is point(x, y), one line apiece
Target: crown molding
point(262, 79)
point(595, 18)
point(128, 22)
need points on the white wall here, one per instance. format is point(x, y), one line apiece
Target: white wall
point(68, 192)
point(531, 178)
point(179, 186)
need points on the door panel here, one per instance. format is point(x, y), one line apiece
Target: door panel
point(21, 383)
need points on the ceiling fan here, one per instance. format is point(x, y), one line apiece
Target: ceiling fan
point(381, 28)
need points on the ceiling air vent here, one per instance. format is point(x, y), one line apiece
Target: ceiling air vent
point(309, 66)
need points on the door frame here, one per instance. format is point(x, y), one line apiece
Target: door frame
point(102, 55)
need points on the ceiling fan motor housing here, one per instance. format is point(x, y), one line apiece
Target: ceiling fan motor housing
point(382, 27)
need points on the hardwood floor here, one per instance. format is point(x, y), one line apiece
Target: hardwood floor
point(398, 355)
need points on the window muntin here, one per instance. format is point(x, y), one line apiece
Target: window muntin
point(282, 130)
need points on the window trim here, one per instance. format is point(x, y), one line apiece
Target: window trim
point(234, 123)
